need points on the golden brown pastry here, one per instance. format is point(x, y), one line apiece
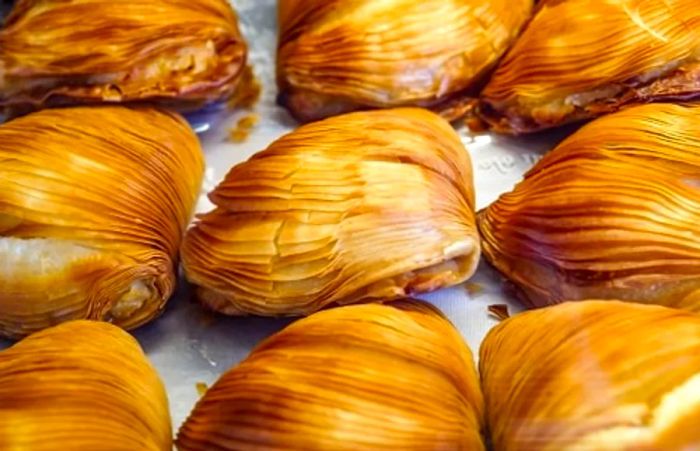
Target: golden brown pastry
point(612, 213)
point(578, 59)
point(93, 204)
point(362, 207)
point(178, 53)
point(81, 385)
point(595, 375)
point(363, 377)
point(337, 56)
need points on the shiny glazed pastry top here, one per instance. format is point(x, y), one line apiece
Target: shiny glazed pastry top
point(81, 385)
point(93, 204)
point(362, 377)
point(611, 213)
point(361, 207)
point(337, 56)
point(179, 53)
point(595, 375)
point(579, 59)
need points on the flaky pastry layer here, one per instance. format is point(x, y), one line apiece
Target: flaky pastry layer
point(361, 207)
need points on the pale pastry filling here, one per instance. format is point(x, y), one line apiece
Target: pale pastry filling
point(132, 301)
point(676, 405)
point(188, 61)
point(42, 268)
point(192, 59)
point(36, 258)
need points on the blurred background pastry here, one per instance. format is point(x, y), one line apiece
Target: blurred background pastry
point(579, 59)
point(337, 56)
point(181, 54)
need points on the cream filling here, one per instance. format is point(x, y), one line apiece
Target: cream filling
point(132, 301)
point(192, 59)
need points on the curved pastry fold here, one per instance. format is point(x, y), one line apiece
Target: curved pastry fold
point(366, 206)
point(93, 206)
point(337, 56)
point(611, 213)
point(578, 59)
point(593, 375)
point(396, 376)
point(81, 385)
point(178, 53)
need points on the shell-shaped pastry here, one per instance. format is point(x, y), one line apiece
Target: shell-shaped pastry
point(595, 375)
point(611, 213)
point(337, 56)
point(363, 377)
point(361, 207)
point(578, 59)
point(178, 53)
point(82, 385)
point(93, 205)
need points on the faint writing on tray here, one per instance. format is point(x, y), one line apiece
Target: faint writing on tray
point(505, 164)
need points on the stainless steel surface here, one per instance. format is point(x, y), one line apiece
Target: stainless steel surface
point(189, 345)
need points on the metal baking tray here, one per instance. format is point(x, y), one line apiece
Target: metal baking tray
point(189, 345)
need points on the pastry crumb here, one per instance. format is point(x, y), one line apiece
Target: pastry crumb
point(248, 91)
point(473, 289)
point(243, 128)
point(500, 311)
point(202, 388)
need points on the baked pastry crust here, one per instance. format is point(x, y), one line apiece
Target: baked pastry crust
point(579, 59)
point(181, 54)
point(601, 375)
point(368, 206)
point(610, 213)
point(337, 56)
point(396, 376)
point(82, 385)
point(94, 202)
